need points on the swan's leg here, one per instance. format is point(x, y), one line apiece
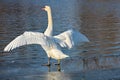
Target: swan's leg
point(49, 61)
point(58, 62)
point(48, 64)
point(58, 68)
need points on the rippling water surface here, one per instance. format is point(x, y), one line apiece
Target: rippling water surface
point(99, 20)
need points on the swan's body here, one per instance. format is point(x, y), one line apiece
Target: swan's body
point(51, 44)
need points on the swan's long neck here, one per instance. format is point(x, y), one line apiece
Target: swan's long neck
point(49, 30)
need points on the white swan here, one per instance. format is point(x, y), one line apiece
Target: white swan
point(51, 44)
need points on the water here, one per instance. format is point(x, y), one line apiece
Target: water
point(98, 20)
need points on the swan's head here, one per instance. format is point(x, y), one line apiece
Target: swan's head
point(46, 8)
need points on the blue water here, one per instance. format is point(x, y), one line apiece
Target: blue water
point(98, 20)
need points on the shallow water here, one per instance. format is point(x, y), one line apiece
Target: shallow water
point(97, 19)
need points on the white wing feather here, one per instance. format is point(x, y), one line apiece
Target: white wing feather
point(71, 38)
point(27, 38)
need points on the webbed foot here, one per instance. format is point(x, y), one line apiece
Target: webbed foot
point(46, 64)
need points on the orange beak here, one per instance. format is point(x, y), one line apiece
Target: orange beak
point(43, 8)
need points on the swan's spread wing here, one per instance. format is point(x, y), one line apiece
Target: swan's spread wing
point(70, 38)
point(27, 38)
point(64, 39)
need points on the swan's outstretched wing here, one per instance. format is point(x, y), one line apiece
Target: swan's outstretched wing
point(27, 38)
point(70, 38)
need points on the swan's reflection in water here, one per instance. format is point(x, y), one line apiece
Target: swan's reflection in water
point(57, 76)
point(53, 75)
